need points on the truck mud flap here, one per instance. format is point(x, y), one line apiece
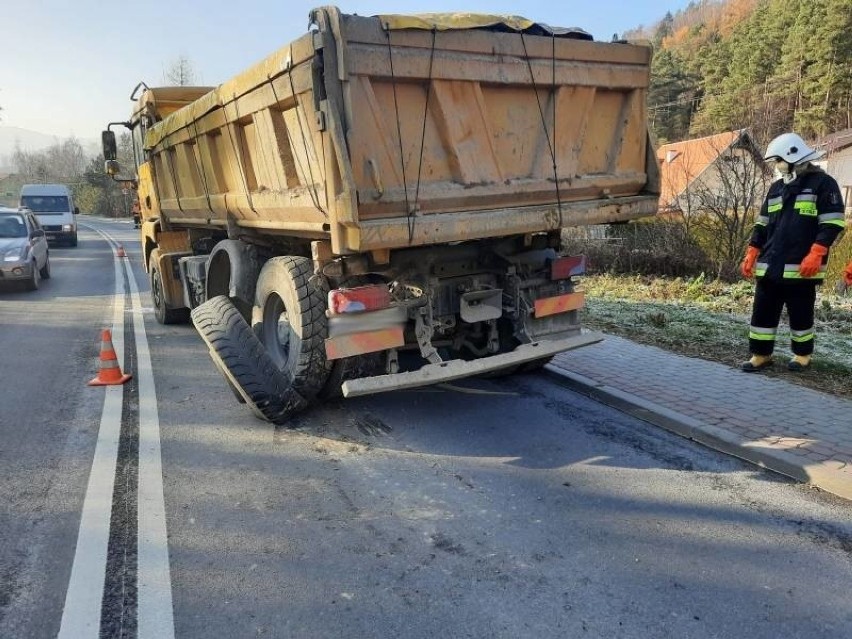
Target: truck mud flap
point(243, 361)
point(457, 369)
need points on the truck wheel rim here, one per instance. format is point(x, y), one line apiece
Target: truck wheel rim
point(277, 331)
point(156, 291)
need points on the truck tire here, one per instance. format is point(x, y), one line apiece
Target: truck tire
point(241, 358)
point(233, 267)
point(289, 319)
point(236, 391)
point(163, 313)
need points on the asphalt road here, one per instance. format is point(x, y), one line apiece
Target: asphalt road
point(48, 427)
point(488, 508)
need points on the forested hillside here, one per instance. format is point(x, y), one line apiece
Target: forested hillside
point(769, 65)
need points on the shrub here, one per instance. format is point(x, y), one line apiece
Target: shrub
point(841, 255)
point(669, 248)
point(655, 247)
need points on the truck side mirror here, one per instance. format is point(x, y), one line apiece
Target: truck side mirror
point(76, 210)
point(109, 146)
point(111, 166)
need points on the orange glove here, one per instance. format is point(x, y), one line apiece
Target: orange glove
point(747, 267)
point(813, 260)
point(847, 274)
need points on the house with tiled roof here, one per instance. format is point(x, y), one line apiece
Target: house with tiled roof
point(838, 162)
point(710, 170)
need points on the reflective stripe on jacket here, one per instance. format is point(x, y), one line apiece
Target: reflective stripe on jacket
point(793, 217)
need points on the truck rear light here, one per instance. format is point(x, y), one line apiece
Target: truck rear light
point(564, 267)
point(358, 299)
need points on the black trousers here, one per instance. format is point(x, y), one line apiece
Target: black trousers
point(770, 297)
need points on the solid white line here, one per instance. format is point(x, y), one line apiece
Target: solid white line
point(81, 615)
point(155, 615)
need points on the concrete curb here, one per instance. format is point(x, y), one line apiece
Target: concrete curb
point(832, 477)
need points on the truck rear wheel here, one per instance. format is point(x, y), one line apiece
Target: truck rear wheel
point(162, 312)
point(242, 359)
point(289, 319)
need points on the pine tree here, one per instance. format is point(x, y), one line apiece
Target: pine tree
point(671, 92)
point(767, 65)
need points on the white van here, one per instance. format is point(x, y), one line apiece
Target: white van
point(54, 207)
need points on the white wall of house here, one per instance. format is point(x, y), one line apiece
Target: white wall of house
point(711, 185)
point(839, 166)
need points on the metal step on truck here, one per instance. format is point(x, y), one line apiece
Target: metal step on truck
point(378, 204)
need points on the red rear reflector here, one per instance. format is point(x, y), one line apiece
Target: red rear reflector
point(559, 304)
point(361, 298)
point(366, 342)
point(565, 267)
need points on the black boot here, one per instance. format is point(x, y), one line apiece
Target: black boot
point(799, 363)
point(757, 363)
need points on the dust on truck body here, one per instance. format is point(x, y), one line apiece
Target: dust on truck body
point(378, 205)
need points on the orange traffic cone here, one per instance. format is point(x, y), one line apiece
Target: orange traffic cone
point(120, 252)
point(110, 372)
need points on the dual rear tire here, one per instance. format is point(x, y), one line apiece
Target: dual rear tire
point(243, 361)
point(276, 364)
point(289, 320)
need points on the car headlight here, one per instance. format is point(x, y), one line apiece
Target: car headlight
point(15, 254)
point(67, 227)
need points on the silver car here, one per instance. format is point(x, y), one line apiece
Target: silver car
point(24, 255)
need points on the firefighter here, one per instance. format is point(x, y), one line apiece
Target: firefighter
point(800, 218)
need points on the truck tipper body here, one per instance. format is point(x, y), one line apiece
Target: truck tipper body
point(378, 204)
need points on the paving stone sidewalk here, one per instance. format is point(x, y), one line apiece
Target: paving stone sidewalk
point(796, 431)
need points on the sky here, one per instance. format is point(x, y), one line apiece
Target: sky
point(68, 68)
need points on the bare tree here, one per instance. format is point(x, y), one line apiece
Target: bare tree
point(32, 165)
point(680, 169)
point(727, 198)
point(62, 162)
point(181, 73)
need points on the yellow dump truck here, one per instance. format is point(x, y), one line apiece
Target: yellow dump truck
point(378, 204)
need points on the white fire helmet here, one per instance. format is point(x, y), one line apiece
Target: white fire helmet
point(792, 149)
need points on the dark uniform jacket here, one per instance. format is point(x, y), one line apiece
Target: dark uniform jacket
point(793, 217)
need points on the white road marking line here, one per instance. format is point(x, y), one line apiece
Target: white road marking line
point(82, 612)
point(81, 615)
point(155, 614)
